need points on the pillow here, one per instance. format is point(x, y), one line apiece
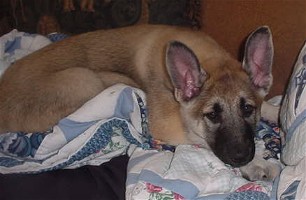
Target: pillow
point(293, 113)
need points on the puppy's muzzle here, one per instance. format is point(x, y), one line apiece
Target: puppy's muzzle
point(236, 152)
point(239, 154)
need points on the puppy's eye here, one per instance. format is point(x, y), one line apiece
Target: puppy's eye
point(213, 116)
point(247, 110)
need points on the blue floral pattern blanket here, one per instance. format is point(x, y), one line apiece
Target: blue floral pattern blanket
point(192, 172)
point(101, 129)
point(115, 123)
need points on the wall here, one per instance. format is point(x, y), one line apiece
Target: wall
point(230, 21)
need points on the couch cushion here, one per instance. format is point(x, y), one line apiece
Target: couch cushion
point(293, 113)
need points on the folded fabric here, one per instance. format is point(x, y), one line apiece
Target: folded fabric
point(103, 182)
point(293, 113)
point(101, 129)
point(293, 123)
point(193, 172)
point(293, 182)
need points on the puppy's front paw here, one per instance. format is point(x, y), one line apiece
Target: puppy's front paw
point(260, 170)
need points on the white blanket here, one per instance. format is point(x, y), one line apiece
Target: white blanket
point(293, 123)
point(191, 172)
point(115, 123)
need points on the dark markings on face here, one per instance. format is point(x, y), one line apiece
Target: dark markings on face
point(232, 140)
point(216, 115)
point(246, 109)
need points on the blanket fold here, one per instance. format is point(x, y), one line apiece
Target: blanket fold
point(101, 129)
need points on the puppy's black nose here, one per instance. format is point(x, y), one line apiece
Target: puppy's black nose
point(240, 156)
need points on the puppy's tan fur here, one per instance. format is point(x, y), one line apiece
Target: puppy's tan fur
point(80, 67)
point(40, 89)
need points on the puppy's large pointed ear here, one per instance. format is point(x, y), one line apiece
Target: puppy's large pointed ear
point(184, 70)
point(258, 59)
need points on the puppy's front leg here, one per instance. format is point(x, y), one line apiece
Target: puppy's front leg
point(260, 169)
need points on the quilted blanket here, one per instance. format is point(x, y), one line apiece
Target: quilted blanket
point(293, 123)
point(101, 129)
point(193, 172)
point(115, 123)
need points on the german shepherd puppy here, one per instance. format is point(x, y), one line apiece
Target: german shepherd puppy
point(196, 92)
